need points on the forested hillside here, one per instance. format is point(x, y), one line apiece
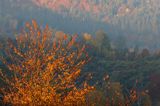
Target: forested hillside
point(137, 21)
point(80, 52)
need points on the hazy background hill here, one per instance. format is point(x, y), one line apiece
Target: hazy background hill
point(136, 21)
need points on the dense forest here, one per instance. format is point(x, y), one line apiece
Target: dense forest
point(82, 52)
point(121, 68)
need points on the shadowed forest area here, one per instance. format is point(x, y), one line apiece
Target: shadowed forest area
point(79, 53)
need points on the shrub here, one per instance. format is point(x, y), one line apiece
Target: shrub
point(43, 69)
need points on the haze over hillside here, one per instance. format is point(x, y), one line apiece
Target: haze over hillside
point(138, 21)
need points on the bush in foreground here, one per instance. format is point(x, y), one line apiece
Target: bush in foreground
point(43, 70)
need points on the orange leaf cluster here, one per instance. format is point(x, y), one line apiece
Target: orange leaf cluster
point(44, 71)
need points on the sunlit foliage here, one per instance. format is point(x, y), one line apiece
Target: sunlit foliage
point(43, 70)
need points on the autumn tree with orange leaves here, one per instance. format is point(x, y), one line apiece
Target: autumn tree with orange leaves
point(43, 69)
